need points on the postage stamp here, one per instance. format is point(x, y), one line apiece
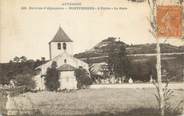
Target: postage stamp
point(169, 21)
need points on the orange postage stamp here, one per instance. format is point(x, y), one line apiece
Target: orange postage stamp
point(169, 21)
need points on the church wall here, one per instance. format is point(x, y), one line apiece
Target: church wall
point(40, 82)
point(67, 80)
point(60, 61)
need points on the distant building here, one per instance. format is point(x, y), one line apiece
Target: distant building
point(61, 51)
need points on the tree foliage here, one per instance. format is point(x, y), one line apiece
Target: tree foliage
point(17, 67)
point(52, 78)
point(82, 78)
point(143, 71)
point(118, 62)
point(25, 80)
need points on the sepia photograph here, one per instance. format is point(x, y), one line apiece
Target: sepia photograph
point(91, 58)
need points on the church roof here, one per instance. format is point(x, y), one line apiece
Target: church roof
point(61, 36)
point(66, 67)
point(59, 59)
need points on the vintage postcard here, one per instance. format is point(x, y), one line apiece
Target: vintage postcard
point(91, 58)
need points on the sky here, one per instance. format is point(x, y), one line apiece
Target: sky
point(27, 32)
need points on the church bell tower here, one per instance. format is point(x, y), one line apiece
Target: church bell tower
point(60, 43)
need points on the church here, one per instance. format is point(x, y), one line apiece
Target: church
point(61, 52)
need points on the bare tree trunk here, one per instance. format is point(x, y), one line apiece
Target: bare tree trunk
point(159, 79)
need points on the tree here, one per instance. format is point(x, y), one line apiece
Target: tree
point(16, 59)
point(82, 78)
point(16, 67)
point(25, 80)
point(52, 77)
point(154, 29)
point(118, 62)
point(23, 59)
point(143, 70)
point(43, 60)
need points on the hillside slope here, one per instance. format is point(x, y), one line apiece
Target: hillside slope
point(102, 48)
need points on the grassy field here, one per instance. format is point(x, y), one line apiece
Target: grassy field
point(3, 100)
point(96, 101)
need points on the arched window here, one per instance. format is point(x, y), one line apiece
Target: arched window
point(59, 46)
point(64, 46)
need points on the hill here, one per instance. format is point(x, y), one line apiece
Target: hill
point(142, 58)
point(102, 48)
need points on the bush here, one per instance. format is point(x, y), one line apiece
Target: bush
point(82, 77)
point(25, 80)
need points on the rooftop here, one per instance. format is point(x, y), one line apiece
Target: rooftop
point(61, 36)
